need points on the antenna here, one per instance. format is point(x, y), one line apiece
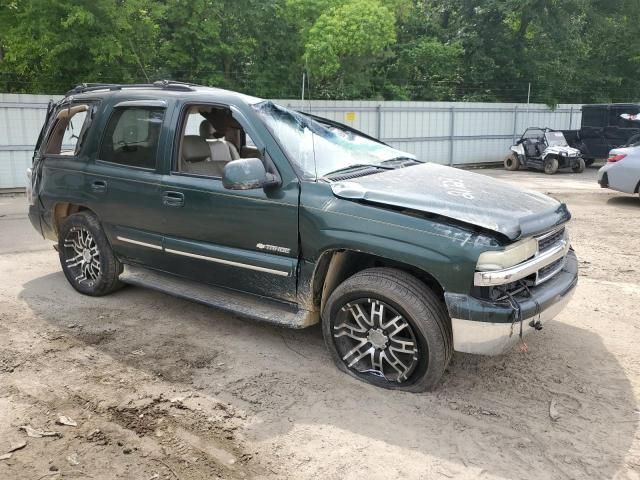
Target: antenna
point(138, 60)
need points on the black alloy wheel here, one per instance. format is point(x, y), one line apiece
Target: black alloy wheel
point(86, 256)
point(385, 327)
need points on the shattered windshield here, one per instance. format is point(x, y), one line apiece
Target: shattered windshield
point(556, 139)
point(318, 148)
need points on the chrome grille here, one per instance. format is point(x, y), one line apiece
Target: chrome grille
point(545, 273)
point(548, 240)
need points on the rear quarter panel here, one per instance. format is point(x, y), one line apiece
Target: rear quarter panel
point(624, 175)
point(63, 181)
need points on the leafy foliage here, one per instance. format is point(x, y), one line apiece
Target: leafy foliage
point(489, 50)
point(346, 42)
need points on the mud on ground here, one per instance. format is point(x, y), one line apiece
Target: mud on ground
point(161, 388)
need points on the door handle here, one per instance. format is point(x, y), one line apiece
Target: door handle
point(173, 199)
point(99, 186)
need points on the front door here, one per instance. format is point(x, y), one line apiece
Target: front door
point(241, 239)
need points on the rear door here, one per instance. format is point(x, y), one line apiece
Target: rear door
point(59, 162)
point(123, 183)
point(241, 239)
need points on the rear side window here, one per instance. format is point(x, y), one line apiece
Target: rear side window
point(132, 137)
point(68, 130)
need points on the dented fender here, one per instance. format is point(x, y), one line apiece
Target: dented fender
point(444, 249)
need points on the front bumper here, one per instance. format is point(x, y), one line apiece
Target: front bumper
point(566, 161)
point(485, 327)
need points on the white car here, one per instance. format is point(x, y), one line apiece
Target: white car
point(622, 170)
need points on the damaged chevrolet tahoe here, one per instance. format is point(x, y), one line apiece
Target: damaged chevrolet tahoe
point(288, 218)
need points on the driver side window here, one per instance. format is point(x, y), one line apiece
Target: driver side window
point(210, 138)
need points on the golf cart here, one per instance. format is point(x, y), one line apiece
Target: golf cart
point(544, 149)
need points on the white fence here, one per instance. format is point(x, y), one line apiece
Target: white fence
point(451, 133)
point(442, 132)
point(21, 118)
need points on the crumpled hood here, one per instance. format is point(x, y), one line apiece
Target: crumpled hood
point(460, 195)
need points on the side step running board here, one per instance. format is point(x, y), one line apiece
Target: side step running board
point(243, 304)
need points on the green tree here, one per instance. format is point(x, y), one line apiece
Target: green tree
point(485, 50)
point(238, 44)
point(426, 69)
point(345, 43)
point(48, 45)
point(189, 40)
point(565, 49)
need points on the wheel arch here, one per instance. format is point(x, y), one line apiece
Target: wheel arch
point(62, 210)
point(334, 266)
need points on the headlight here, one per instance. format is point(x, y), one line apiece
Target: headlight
point(508, 257)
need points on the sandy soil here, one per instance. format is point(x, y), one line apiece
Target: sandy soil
point(161, 388)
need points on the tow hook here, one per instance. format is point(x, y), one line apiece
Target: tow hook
point(537, 324)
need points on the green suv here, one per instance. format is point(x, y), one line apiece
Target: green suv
point(281, 216)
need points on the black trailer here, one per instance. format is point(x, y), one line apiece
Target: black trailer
point(604, 127)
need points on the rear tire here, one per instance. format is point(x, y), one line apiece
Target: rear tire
point(385, 327)
point(551, 165)
point(86, 256)
point(580, 167)
point(512, 162)
point(589, 161)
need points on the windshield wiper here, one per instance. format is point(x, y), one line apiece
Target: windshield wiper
point(358, 166)
point(402, 160)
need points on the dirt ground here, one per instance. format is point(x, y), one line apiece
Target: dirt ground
point(161, 388)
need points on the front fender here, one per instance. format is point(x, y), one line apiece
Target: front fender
point(446, 250)
point(433, 262)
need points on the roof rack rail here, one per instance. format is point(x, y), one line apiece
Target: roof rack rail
point(164, 84)
point(175, 85)
point(88, 87)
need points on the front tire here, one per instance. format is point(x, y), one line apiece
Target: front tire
point(551, 165)
point(385, 327)
point(580, 167)
point(512, 162)
point(86, 256)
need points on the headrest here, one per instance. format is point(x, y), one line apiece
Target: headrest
point(220, 120)
point(195, 148)
point(206, 129)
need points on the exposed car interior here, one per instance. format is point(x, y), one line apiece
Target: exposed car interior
point(64, 136)
point(211, 138)
point(533, 141)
